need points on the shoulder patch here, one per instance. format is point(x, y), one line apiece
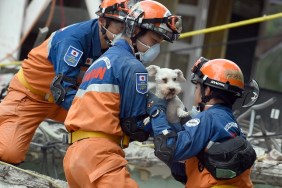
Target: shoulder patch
point(193, 122)
point(72, 56)
point(142, 83)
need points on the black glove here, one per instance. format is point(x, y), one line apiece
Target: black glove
point(178, 172)
point(154, 103)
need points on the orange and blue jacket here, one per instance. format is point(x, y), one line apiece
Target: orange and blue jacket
point(113, 88)
point(215, 124)
point(69, 51)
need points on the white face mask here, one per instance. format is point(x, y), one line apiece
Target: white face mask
point(194, 111)
point(151, 54)
point(115, 36)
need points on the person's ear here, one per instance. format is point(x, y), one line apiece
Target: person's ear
point(208, 91)
point(102, 21)
point(136, 31)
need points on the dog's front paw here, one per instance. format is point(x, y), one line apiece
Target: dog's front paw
point(182, 113)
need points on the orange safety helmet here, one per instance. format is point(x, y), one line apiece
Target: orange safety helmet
point(222, 74)
point(154, 16)
point(115, 9)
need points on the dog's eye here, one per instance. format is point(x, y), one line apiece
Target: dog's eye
point(164, 80)
point(174, 79)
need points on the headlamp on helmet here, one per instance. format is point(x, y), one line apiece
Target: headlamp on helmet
point(175, 23)
point(115, 9)
point(154, 16)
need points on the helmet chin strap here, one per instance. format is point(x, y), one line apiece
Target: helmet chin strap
point(104, 30)
point(134, 42)
point(204, 98)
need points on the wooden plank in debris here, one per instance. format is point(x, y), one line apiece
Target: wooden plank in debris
point(33, 12)
point(11, 19)
point(11, 177)
point(267, 173)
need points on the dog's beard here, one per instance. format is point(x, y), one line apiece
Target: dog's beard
point(170, 94)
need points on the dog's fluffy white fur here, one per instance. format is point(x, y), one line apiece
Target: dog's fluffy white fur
point(167, 86)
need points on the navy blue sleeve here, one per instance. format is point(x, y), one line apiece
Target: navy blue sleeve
point(66, 57)
point(190, 141)
point(133, 90)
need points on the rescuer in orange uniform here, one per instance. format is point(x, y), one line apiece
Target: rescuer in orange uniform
point(47, 82)
point(110, 105)
point(211, 150)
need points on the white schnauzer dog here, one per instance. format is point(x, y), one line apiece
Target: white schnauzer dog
point(167, 86)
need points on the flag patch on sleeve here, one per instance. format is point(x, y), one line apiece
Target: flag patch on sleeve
point(142, 83)
point(72, 56)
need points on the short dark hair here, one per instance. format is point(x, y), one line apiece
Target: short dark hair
point(228, 98)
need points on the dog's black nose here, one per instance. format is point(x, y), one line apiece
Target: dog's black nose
point(171, 89)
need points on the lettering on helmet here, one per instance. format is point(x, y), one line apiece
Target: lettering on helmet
point(217, 83)
point(234, 74)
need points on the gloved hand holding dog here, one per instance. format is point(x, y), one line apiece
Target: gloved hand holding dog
point(154, 103)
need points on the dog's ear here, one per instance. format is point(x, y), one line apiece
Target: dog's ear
point(152, 70)
point(180, 76)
